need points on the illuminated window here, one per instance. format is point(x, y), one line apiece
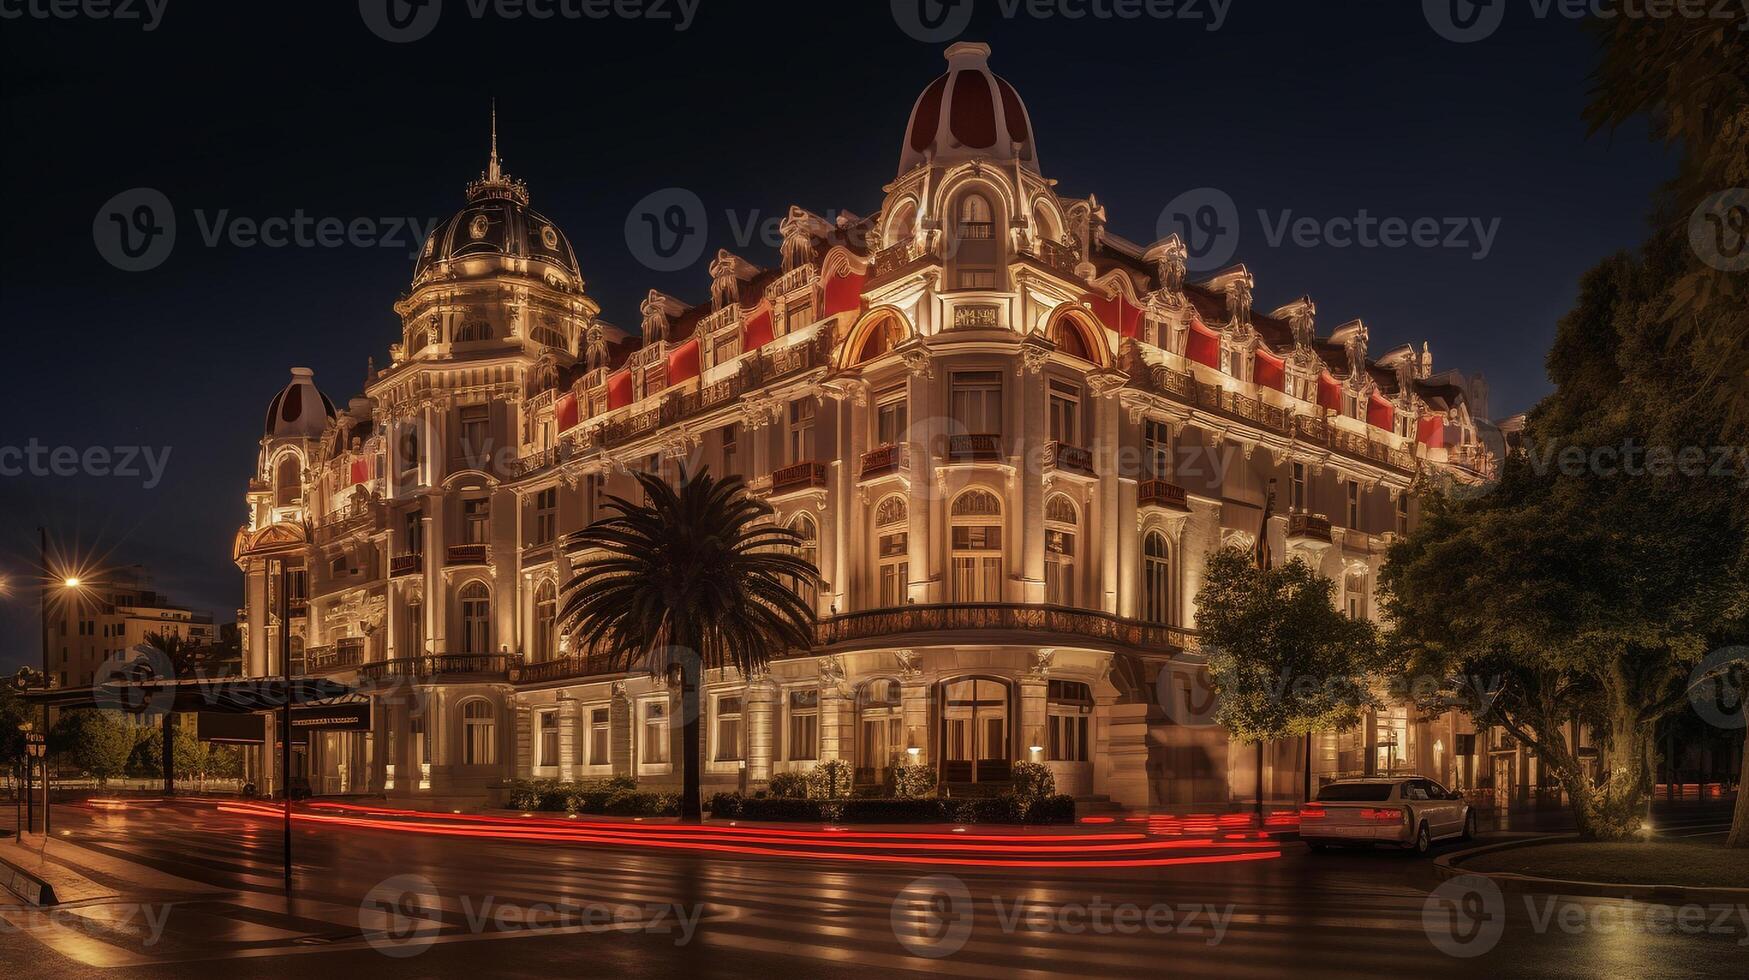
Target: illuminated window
point(801, 430)
point(476, 603)
point(600, 721)
point(1060, 528)
point(475, 433)
point(547, 742)
point(808, 549)
point(1069, 707)
point(288, 489)
point(977, 547)
point(655, 732)
point(892, 561)
point(728, 728)
point(546, 613)
point(1156, 579)
point(546, 515)
point(1065, 413)
point(1157, 449)
point(476, 520)
point(804, 724)
point(479, 733)
point(1297, 489)
point(892, 417)
point(976, 401)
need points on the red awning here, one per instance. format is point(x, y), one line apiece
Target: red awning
point(756, 333)
point(1431, 432)
point(1269, 371)
point(1329, 392)
point(1203, 345)
point(619, 389)
point(1380, 412)
point(843, 292)
point(1116, 313)
point(683, 363)
point(565, 412)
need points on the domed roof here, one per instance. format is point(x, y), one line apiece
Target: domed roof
point(497, 221)
point(299, 411)
point(968, 113)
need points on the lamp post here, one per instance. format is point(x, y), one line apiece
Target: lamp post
point(36, 744)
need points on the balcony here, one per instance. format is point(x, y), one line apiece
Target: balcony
point(1039, 624)
point(1074, 459)
point(798, 476)
point(466, 554)
point(978, 448)
point(1161, 494)
point(1308, 527)
point(1056, 256)
point(494, 666)
point(347, 653)
point(406, 564)
point(890, 458)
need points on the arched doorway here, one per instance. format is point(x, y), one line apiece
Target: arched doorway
point(977, 731)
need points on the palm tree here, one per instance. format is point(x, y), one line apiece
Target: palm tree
point(696, 577)
point(184, 659)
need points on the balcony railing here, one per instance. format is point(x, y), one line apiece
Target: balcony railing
point(977, 448)
point(406, 564)
point(466, 554)
point(346, 654)
point(1062, 456)
point(1056, 256)
point(496, 665)
point(889, 458)
point(977, 230)
point(1160, 493)
point(798, 476)
point(1315, 527)
point(896, 257)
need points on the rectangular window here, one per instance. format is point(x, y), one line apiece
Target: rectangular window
point(475, 429)
point(977, 279)
point(728, 728)
point(1157, 448)
point(597, 487)
point(1354, 504)
point(655, 732)
point(804, 724)
point(731, 440)
point(892, 418)
point(976, 402)
point(547, 751)
point(801, 430)
point(1403, 513)
point(599, 753)
point(546, 515)
point(894, 568)
point(476, 520)
point(1065, 407)
point(1059, 567)
point(1297, 493)
point(977, 563)
point(414, 531)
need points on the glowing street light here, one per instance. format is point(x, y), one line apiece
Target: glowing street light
point(71, 581)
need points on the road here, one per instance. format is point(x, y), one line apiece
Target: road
point(540, 908)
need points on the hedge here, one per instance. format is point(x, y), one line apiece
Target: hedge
point(615, 796)
point(985, 809)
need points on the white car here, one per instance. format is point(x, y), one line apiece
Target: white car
point(1408, 811)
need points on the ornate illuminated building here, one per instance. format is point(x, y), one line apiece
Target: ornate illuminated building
point(1008, 436)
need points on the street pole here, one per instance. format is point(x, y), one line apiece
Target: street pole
point(45, 774)
point(285, 713)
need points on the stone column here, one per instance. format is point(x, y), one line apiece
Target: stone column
point(568, 715)
point(1033, 690)
point(914, 706)
point(524, 747)
point(761, 741)
point(620, 721)
point(836, 724)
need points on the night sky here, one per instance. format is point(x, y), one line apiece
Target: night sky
point(263, 110)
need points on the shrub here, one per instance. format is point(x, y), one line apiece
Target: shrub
point(1052, 809)
point(1033, 781)
point(789, 785)
point(913, 780)
point(831, 780)
point(981, 809)
point(726, 806)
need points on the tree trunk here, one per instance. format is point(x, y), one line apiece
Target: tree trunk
point(169, 753)
point(1614, 808)
point(1739, 835)
point(691, 803)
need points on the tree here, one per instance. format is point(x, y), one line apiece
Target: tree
point(1688, 77)
point(1284, 662)
point(1610, 558)
point(94, 742)
point(697, 577)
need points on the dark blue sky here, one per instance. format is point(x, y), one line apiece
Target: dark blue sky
point(265, 110)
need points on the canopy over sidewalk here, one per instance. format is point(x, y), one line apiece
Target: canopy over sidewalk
point(231, 695)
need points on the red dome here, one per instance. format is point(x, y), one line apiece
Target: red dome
point(968, 113)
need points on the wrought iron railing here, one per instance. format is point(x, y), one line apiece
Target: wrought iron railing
point(1160, 493)
point(406, 564)
point(981, 447)
point(1062, 456)
point(889, 458)
point(346, 653)
point(466, 554)
point(498, 665)
point(798, 476)
point(1314, 526)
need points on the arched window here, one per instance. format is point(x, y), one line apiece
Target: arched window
point(879, 338)
point(977, 547)
point(479, 733)
point(1060, 528)
point(546, 333)
point(473, 331)
point(892, 554)
point(1354, 594)
point(902, 226)
point(1156, 579)
point(1070, 338)
point(476, 602)
point(288, 488)
point(1044, 223)
point(808, 549)
point(418, 340)
point(975, 248)
point(546, 613)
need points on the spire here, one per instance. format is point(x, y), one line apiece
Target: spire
point(492, 172)
point(494, 182)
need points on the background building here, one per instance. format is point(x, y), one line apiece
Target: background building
point(91, 626)
point(1008, 436)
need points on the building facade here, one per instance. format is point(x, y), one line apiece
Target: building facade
point(1008, 436)
point(94, 626)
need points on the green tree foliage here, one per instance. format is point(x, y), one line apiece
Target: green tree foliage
point(696, 577)
point(1606, 564)
point(95, 742)
point(1283, 660)
point(1689, 78)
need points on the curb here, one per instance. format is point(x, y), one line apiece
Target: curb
point(1445, 866)
point(26, 885)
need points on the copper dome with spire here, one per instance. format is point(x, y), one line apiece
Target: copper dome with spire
point(497, 222)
